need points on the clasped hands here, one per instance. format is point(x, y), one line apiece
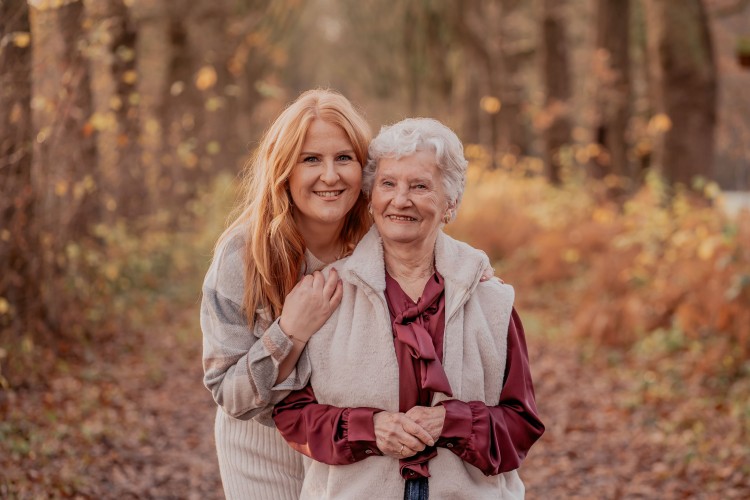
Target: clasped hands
point(402, 435)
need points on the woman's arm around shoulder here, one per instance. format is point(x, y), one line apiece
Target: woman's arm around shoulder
point(241, 365)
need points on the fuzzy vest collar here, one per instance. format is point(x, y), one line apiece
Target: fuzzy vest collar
point(460, 265)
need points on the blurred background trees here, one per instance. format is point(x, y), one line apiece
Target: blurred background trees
point(117, 114)
point(602, 137)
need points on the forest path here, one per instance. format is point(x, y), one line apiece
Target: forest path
point(134, 421)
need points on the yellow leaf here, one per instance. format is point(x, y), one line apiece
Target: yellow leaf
point(659, 123)
point(115, 103)
point(206, 78)
point(130, 77)
point(214, 103)
point(43, 135)
point(571, 255)
point(61, 187)
point(111, 271)
point(110, 204)
point(490, 104)
point(89, 183)
point(712, 190)
point(21, 39)
point(177, 88)
point(707, 248)
point(125, 53)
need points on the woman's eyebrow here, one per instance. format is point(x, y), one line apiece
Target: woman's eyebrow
point(337, 152)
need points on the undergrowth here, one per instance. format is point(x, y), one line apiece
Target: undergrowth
point(655, 288)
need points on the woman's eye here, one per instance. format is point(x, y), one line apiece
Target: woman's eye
point(421, 186)
point(309, 159)
point(344, 158)
point(387, 183)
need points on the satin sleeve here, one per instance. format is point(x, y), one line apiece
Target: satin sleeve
point(328, 434)
point(496, 439)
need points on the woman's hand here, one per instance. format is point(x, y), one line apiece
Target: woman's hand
point(430, 419)
point(398, 436)
point(488, 274)
point(310, 303)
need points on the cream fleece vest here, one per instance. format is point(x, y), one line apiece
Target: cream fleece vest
point(354, 364)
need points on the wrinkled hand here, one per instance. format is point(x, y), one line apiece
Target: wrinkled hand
point(430, 419)
point(310, 303)
point(398, 436)
point(488, 274)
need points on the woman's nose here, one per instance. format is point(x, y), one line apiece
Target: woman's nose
point(401, 198)
point(330, 175)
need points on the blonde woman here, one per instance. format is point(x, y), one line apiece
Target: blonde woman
point(264, 297)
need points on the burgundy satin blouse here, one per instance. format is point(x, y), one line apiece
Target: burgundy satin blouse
point(494, 439)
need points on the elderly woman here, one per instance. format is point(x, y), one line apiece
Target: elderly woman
point(420, 380)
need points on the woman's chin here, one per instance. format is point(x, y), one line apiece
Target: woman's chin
point(401, 237)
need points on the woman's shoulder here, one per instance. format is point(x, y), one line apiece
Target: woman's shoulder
point(227, 270)
point(497, 286)
point(495, 292)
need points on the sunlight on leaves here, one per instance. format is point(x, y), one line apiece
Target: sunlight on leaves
point(206, 78)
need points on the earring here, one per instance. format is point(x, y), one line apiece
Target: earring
point(447, 216)
point(369, 209)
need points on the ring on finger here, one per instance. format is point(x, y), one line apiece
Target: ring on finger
point(401, 451)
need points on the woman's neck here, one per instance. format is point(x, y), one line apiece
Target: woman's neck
point(410, 266)
point(322, 240)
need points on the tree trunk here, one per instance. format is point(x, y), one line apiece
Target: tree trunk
point(471, 21)
point(105, 21)
point(63, 148)
point(414, 60)
point(472, 94)
point(18, 286)
point(556, 78)
point(154, 60)
point(209, 47)
point(612, 73)
point(683, 78)
point(512, 129)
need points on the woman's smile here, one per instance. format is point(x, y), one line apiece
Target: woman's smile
point(401, 218)
point(326, 181)
point(328, 194)
point(408, 198)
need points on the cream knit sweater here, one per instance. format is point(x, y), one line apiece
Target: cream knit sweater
point(240, 367)
point(354, 364)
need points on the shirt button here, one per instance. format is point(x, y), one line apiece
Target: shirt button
point(368, 452)
point(449, 445)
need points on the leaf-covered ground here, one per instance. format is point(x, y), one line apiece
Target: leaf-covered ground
point(131, 419)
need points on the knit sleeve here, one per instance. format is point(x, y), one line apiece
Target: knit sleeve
point(241, 365)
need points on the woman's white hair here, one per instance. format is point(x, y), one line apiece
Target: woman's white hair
point(420, 134)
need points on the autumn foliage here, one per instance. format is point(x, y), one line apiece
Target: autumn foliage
point(656, 291)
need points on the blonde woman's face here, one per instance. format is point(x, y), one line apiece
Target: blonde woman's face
point(326, 181)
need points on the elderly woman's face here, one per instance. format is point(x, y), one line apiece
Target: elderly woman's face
point(408, 198)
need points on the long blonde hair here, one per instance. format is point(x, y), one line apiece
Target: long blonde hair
point(275, 250)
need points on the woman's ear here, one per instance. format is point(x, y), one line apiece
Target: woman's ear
point(448, 216)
